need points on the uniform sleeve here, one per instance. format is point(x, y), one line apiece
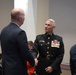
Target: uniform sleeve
point(59, 57)
point(72, 66)
point(73, 59)
point(36, 46)
point(23, 47)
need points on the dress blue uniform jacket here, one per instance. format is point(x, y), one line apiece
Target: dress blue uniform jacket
point(73, 59)
point(15, 51)
point(51, 52)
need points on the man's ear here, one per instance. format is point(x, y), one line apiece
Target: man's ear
point(54, 26)
point(19, 19)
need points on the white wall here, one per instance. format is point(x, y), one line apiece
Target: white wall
point(36, 15)
point(30, 8)
point(42, 15)
point(64, 13)
point(5, 8)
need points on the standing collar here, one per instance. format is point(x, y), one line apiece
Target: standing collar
point(48, 34)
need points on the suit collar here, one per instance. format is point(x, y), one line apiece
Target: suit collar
point(15, 23)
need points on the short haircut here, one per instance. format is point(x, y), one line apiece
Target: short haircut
point(15, 15)
point(51, 20)
point(30, 43)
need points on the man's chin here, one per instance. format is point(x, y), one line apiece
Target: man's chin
point(46, 31)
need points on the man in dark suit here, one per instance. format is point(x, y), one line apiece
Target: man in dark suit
point(51, 51)
point(14, 46)
point(73, 59)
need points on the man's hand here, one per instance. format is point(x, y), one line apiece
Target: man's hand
point(36, 61)
point(49, 69)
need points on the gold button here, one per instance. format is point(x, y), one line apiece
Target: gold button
point(41, 44)
point(47, 52)
point(48, 37)
point(48, 42)
point(47, 47)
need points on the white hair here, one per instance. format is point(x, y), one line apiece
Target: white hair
point(51, 20)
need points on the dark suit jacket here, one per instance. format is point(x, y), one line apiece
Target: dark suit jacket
point(51, 52)
point(73, 59)
point(15, 51)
